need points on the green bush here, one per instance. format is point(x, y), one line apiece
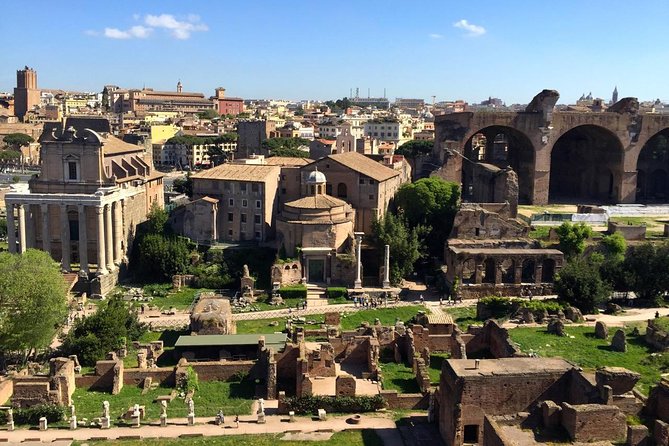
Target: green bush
point(190, 382)
point(549, 305)
point(345, 404)
point(31, 415)
point(293, 291)
point(336, 292)
point(498, 307)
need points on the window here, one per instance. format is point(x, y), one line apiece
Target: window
point(231, 202)
point(328, 189)
point(231, 216)
point(341, 190)
point(242, 235)
point(243, 218)
point(227, 187)
point(242, 187)
point(258, 204)
point(245, 203)
point(255, 187)
point(256, 219)
point(371, 197)
point(371, 181)
point(258, 235)
point(72, 170)
point(362, 181)
point(230, 232)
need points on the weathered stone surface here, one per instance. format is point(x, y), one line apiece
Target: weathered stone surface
point(573, 314)
point(556, 327)
point(550, 413)
point(619, 341)
point(620, 379)
point(612, 308)
point(601, 330)
point(526, 316)
point(637, 435)
point(661, 433)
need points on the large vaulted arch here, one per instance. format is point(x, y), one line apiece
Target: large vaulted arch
point(652, 182)
point(586, 165)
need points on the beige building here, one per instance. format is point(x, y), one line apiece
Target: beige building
point(83, 208)
point(364, 183)
point(247, 197)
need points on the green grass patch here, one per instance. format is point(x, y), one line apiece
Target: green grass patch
point(178, 299)
point(338, 300)
point(387, 316)
point(365, 437)
point(259, 326)
point(662, 323)
point(398, 377)
point(464, 316)
point(436, 360)
point(540, 232)
point(590, 353)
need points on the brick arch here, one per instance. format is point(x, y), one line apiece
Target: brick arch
point(651, 163)
point(586, 163)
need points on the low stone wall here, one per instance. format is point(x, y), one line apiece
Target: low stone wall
point(656, 337)
point(629, 232)
point(395, 400)
point(492, 434)
point(594, 422)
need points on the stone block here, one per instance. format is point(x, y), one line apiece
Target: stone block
point(291, 414)
point(332, 318)
point(601, 330)
point(322, 415)
point(661, 433)
point(619, 341)
point(191, 420)
point(620, 379)
point(43, 424)
point(345, 385)
point(637, 435)
point(550, 413)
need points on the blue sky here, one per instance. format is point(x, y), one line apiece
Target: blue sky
point(294, 49)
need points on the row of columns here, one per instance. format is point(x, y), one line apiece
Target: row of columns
point(357, 284)
point(480, 268)
point(109, 238)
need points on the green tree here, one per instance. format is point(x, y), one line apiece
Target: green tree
point(156, 222)
point(415, 148)
point(274, 144)
point(18, 140)
point(614, 246)
point(432, 203)
point(106, 330)
point(579, 284)
point(572, 238)
point(404, 242)
point(289, 152)
point(33, 301)
point(161, 257)
point(184, 185)
point(3, 227)
point(9, 157)
point(646, 269)
point(209, 113)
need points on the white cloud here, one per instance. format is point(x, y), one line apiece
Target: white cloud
point(436, 36)
point(472, 30)
point(139, 32)
point(179, 29)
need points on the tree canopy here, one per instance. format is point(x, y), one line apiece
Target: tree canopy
point(579, 284)
point(18, 140)
point(339, 104)
point(415, 148)
point(274, 144)
point(645, 268)
point(33, 301)
point(573, 237)
point(289, 152)
point(184, 185)
point(404, 242)
point(209, 113)
point(191, 140)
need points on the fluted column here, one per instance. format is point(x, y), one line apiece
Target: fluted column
point(358, 269)
point(46, 230)
point(109, 234)
point(118, 232)
point(83, 240)
point(386, 267)
point(22, 228)
point(11, 228)
point(31, 226)
point(126, 229)
point(99, 211)
point(65, 239)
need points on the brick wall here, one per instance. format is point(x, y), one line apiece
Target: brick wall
point(492, 434)
point(594, 422)
point(396, 400)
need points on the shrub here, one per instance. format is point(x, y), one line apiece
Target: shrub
point(497, 307)
point(336, 292)
point(293, 291)
point(579, 284)
point(31, 415)
point(348, 404)
point(189, 382)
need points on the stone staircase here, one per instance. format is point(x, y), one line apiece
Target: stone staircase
point(316, 296)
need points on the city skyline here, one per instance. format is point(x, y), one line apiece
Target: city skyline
point(305, 51)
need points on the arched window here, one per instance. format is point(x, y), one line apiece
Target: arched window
point(341, 190)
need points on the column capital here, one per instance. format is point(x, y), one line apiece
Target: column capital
point(99, 209)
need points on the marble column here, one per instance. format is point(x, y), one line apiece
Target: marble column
point(11, 228)
point(31, 226)
point(386, 267)
point(358, 269)
point(83, 240)
point(118, 232)
point(46, 230)
point(22, 228)
point(124, 225)
point(65, 240)
point(102, 269)
point(109, 234)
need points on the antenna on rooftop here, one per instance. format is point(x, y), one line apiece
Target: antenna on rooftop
point(368, 95)
point(384, 92)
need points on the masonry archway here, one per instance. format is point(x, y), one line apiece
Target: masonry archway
point(501, 146)
point(586, 164)
point(652, 181)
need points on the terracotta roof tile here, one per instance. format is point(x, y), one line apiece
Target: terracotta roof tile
point(238, 172)
point(364, 165)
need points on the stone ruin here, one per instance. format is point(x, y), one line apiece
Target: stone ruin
point(656, 335)
point(247, 285)
point(601, 330)
point(55, 388)
point(212, 315)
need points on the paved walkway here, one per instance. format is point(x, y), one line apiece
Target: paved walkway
point(275, 424)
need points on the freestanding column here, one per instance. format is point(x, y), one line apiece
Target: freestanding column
point(11, 228)
point(109, 242)
point(386, 268)
point(83, 241)
point(46, 231)
point(65, 239)
point(22, 228)
point(102, 269)
point(31, 226)
point(118, 232)
point(358, 270)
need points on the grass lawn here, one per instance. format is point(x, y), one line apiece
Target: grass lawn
point(263, 325)
point(233, 397)
point(398, 377)
point(436, 359)
point(366, 437)
point(387, 316)
point(178, 299)
point(464, 316)
point(540, 232)
point(589, 352)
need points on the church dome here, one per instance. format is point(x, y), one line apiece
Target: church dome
point(316, 177)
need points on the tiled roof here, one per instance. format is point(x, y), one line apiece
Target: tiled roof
point(364, 165)
point(316, 202)
point(287, 161)
point(238, 172)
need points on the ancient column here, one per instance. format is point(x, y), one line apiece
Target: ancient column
point(386, 268)
point(118, 233)
point(83, 240)
point(22, 228)
point(65, 239)
point(31, 226)
point(46, 230)
point(102, 268)
point(358, 259)
point(11, 228)
point(109, 242)
point(124, 225)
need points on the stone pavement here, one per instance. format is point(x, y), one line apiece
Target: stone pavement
point(383, 423)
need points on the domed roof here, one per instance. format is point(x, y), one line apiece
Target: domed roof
point(316, 177)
